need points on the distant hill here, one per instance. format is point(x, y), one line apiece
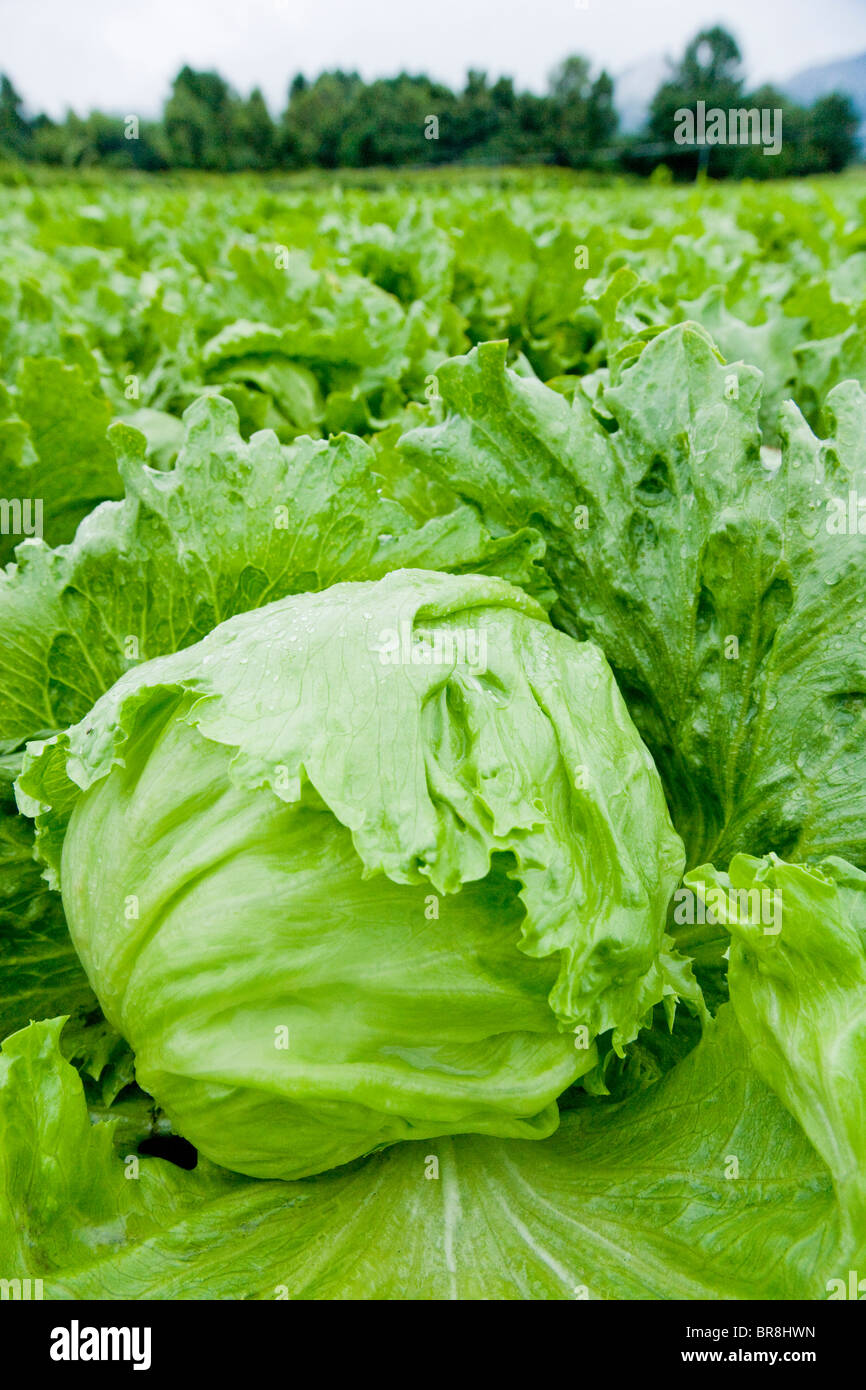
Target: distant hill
point(845, 75)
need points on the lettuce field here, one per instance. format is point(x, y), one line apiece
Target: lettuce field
point(432, 738)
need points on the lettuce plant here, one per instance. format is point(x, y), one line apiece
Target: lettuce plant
point(372, 864)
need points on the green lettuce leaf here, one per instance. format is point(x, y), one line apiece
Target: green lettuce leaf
point(233, 526)
point(39, 968)
point(729, 598)
point(38, 965)
point(798, 984)
point(53, 451)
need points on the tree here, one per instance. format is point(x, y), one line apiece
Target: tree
point(711, 61)
point(15, 132)
point(833, 126)
point(388, 122)
point(476, 119)
point(582, 119)
point(200, 122)
point(532, 133)
point(708, 71)
point(570, 80)
point(256, 133)
point(601, 117)
point(318, 115)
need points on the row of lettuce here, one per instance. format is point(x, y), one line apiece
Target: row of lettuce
point(316, 313)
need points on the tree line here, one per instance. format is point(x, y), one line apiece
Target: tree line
point(338, 120)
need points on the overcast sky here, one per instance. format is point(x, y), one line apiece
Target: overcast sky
point(120, 55)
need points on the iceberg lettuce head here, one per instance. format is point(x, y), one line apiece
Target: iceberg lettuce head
point(373, 864)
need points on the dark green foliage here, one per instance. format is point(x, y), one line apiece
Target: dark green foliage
point(340, 121)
